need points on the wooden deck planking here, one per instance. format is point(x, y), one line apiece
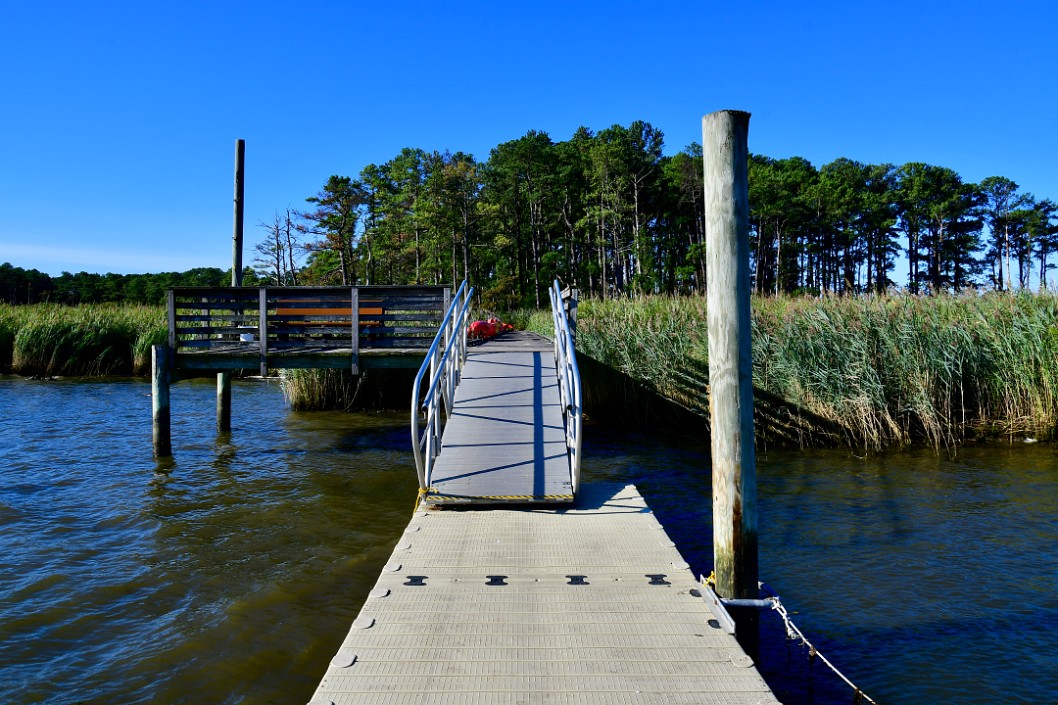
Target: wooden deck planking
point(631, 631)
point(505, 440)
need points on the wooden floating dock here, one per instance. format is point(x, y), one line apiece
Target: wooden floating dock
point(505, 440)
point(590, 603)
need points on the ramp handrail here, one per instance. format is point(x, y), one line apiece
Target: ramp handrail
point(568, 382)
point(445, 367)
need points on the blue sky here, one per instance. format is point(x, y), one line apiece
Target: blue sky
point(118, 120)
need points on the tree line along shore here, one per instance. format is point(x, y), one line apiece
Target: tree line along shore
point(865, 372)
point(608, 211)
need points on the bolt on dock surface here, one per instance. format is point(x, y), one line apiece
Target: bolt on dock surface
point(588, 603)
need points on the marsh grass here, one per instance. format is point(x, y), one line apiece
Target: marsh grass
point(309, 390)
point(329, 389)
point(868, 372)
point(56, 340)
point(895, 370)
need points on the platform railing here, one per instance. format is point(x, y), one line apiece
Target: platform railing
point(568, 382)
point(277, 327)
point(444, 363)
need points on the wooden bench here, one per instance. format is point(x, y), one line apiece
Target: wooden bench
point(340, 316)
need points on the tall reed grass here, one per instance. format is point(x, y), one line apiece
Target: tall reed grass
point(52, 340)
point(330, 389)
point(312, 390)
point(869, 372)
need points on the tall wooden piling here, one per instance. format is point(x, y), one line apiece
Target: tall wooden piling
point(236, 245)
point(224, 378)
point(162, 429)
point(725, 152)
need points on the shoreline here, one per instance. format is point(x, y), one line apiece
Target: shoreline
point(867, 373)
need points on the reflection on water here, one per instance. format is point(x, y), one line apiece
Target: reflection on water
point(231, 573)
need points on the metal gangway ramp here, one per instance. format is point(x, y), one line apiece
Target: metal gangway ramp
point(500, 419)
point(514, 585)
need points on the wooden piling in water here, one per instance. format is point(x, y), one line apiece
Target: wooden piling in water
point(162, 428)
point(224, 378)
point(725, 154)
point(236, 246)
point(224, 402)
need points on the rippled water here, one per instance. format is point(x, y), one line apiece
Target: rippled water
point(231, 574)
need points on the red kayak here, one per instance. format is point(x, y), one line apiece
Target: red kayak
point(481, 330)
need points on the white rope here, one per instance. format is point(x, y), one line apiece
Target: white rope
point(793, 632)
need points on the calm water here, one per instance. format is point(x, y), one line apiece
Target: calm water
point(231, 574)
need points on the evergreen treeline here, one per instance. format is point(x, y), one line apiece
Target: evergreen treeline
point(22, 286)
point(608, 212)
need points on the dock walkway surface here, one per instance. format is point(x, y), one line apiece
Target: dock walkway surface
point(505, 439)
point(525, 605)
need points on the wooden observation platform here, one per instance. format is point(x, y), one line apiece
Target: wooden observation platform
point(238, 328)
point(219, 330)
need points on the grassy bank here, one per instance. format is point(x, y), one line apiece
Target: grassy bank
point(869, 372)
point(51, 339)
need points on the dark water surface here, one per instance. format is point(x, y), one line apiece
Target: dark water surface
point(232, 573)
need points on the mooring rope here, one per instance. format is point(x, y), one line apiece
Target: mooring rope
point(792, 632)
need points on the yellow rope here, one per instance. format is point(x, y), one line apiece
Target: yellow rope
point(418, 498)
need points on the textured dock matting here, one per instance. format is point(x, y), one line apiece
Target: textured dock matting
point(588, 604)
point(505, 440)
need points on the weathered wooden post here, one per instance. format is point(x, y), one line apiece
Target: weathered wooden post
point(569, 302)
point(236, 245)
point(224, 378)
point(725, 152)
point(224, 402)
point(163, 443)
